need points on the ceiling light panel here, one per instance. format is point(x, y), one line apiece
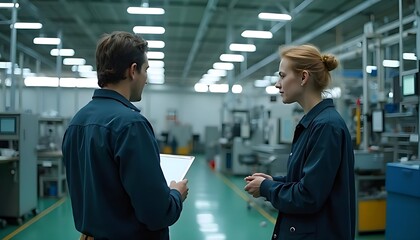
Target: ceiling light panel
point(148, 30)
point(74, 61)
point(47, 41)
point(62, 52)
point(257, 34)
point(223, 66)
point(145, 10)
point(155, 44)
point(242, 47)
point(274, 16)
point(155, 55)
point(27, 25)
point(8, 5)
point(232, 58)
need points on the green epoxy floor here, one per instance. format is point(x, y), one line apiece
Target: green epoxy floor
point(216, 209)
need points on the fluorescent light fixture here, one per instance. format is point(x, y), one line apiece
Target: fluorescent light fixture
point(232, 58)
point(148, 30)
point(156, 76)
point(145, 10)
point(210, 77)
point(79, 82)
point(64, 82)
point(155, 55)
point(62, 52)
point(153, 71)
point(223, 66)
point(369, 68)
point(74, 61)
point(200, 87)
point(5, 65)
point(261, 83)
point(274, 16)
point(47, 41)
point(91, 74)
point(271, 79)
point(84, 68)
point(207, 81)
point(242, 47)
point(27, 25)
point(8, 82)
point(236, 88)
point(8, 5)
point(217, 72)
point(391, 63)
point(219, 88)
point(257, 34)
point(156, 64)
point(409, 56)
point(156, 79)
point(155, 44)
point(271, 90)
point(41, 82)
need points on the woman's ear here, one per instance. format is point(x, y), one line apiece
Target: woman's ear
point(305, 77)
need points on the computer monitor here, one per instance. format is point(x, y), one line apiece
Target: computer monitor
point(377, 120)
point(8, 125)
point(409, 85)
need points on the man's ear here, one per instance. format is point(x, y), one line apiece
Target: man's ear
point(132, 70)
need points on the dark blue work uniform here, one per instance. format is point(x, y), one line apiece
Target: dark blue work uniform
point(316, 200)
point(116, 184)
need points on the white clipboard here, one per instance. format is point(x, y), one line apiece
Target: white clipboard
point(175, 167)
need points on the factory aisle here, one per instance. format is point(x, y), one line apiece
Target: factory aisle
point(216, 209)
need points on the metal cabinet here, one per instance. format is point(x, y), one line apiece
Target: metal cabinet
point(403, 206)
point(19, 132)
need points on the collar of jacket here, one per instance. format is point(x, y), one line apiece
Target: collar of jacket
point(310, 116)
point(111, 94)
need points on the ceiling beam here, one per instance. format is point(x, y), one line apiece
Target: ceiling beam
point(29, 52)
point(71, 10)
point(202, 29)
point(306, 38)
point(293, 13)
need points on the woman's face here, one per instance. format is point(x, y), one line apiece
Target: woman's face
point(289, 83)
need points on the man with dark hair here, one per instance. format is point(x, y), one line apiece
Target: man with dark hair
point(116, 184)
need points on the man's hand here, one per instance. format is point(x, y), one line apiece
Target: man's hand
point(181, 186)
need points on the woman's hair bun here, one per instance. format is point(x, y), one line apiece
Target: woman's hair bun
point(329, 61)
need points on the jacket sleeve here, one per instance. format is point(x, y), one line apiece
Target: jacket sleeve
point(308, 195)
point(137, 153)
point(279, 178)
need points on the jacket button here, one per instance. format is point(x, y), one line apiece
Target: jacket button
point(274, 235)
point(292, 229)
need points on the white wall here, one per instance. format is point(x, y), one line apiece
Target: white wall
point(196, 109)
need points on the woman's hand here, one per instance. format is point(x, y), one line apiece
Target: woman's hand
point(253, 186)
point(250, 178)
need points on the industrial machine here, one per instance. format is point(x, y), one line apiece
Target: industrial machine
point(18, 170)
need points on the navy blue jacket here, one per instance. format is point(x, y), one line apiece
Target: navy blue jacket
point(116, 184)
point(316, 199)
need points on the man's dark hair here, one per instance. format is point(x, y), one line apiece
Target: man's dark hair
point(115, 53)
